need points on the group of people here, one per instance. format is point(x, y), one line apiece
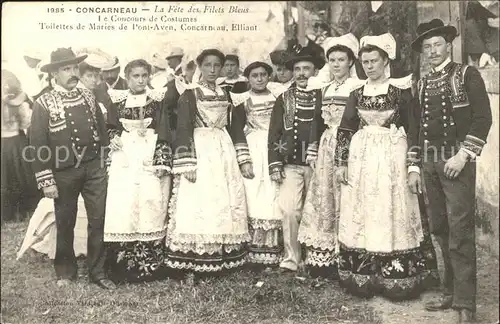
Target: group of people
point(205, 175)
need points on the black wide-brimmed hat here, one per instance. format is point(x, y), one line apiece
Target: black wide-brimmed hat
point(304, 54)
point(279, 57)
point(255, 65)
point(433, 28)
point(61, 57)
point(207, 52)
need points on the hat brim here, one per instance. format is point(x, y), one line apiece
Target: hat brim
point(17, 100)
point(114, 67)
point(162, 64)
point(451, 31)
point(51, 66)
point(172, 56)
point(317, 61)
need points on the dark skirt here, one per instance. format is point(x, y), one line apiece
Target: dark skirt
point(138, 261)
point(400, 275)
point(321, 263)
point(18, 189)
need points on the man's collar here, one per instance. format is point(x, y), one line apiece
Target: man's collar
point(442, 65)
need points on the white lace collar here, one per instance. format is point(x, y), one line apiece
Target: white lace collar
point(134, 100)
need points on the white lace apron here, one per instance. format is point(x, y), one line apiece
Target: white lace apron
point(378, 212)
point(211, 212)
point(137, 200)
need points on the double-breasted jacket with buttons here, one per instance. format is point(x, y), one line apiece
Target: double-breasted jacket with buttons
point(67, 127)
point(290, 126)
point(453, 112)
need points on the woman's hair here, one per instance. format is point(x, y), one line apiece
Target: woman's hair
point(255, 65)
point(371, 48)
point(137, 63)
point(341, 48)
point(232, 57)
point(208, 52)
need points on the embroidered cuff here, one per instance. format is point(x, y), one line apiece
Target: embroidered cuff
point(184, 165)
point(469, 152)
point(412, 159)
point(413, 168)
point(242, 153)
point(340, 162)
point(162, 155)
point(107, 161)
point(45, 179)
point(312, 150)
point(275, 167)
point(473, 144)
point(112, 132)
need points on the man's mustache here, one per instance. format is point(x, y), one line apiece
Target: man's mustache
point(301, 78)
point(74, 78)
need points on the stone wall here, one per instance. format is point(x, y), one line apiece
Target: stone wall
point(487, 183)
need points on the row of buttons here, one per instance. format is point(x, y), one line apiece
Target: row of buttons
point(295, 136)
point(427, 99)
point(427, 142)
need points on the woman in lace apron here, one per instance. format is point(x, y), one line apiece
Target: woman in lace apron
point(139, 184)
point(207, 228)
point(253, 114)
point(318, 228)
point(380, 229)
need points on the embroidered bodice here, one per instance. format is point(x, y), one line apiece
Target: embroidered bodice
point(137, 113)
point(386, 106)
point(334, 100)
point(258, 109)
point(211, 107)
point(378, 110)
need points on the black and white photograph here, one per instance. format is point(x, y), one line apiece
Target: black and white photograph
point(250, 162)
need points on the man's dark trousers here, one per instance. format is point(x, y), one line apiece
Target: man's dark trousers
point(89, 179)
point(451, 209)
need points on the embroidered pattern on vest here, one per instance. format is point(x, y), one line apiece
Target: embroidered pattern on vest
point(457, 82)
point(289, 102)
point(90, 100)
point(57, 119)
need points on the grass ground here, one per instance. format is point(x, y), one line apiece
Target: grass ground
point(30, 295)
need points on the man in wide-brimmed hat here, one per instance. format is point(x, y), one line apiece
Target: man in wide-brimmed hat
point(289, 151)
point(447, 132)
point(174, 59)
point(111, 75)
point(69, 136)
point(90, 74)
